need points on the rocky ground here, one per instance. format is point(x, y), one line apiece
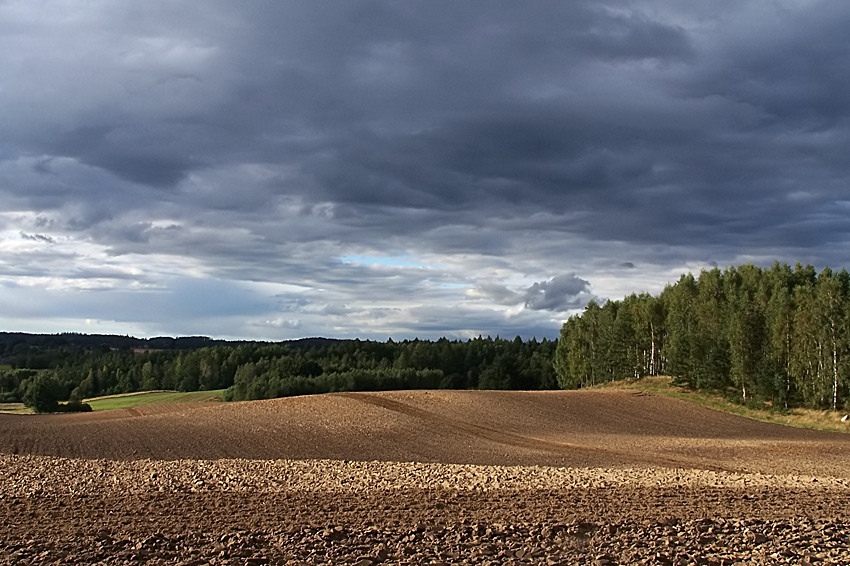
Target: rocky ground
point(751, 508)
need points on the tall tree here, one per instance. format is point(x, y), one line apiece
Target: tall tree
point(779, 319)
point(680, 352)
point(746, 329)
point(832, 292)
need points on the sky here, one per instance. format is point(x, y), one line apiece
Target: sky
point(398, 169)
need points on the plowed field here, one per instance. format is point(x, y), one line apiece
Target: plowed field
point(422, 477)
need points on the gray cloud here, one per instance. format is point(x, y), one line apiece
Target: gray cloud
point(38, 238)
point(560, 293)
point(258, 144)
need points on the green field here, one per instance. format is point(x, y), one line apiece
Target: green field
point(151, 398)
point(127, 400)
point(15, 409)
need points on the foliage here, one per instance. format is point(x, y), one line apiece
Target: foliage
point(42, 393)
point(87, 367)
point(73, 407)
point(778, 335)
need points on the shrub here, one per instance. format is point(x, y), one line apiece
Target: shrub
point(43, 393)
point(73, 407)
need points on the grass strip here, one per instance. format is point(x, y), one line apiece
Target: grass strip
point(796, 417)
point(151, 398)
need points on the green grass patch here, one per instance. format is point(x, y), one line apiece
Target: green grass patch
point(151, 398)
point(800, 418)
point(15, 409)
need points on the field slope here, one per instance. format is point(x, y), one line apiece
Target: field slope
point(127, 400)
point(328, 479)
point(597, 428)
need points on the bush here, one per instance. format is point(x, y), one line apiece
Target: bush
point(73, 407)
point(43, 393)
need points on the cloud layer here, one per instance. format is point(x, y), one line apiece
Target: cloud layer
point(374, 169)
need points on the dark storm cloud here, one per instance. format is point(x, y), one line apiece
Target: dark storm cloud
point(445, 105)
point(501, 143)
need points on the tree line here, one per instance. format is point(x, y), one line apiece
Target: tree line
point(80, 369)
point(779, 335)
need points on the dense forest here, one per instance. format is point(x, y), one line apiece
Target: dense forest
point(76, 367)
point(779, 336)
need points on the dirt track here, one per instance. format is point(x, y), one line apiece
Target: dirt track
point(323, 480)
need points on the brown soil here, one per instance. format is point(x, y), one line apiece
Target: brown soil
point(502, 477)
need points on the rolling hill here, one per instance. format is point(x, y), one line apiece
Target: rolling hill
point(597, 428)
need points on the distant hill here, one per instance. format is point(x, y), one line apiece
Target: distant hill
point(105, 342)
